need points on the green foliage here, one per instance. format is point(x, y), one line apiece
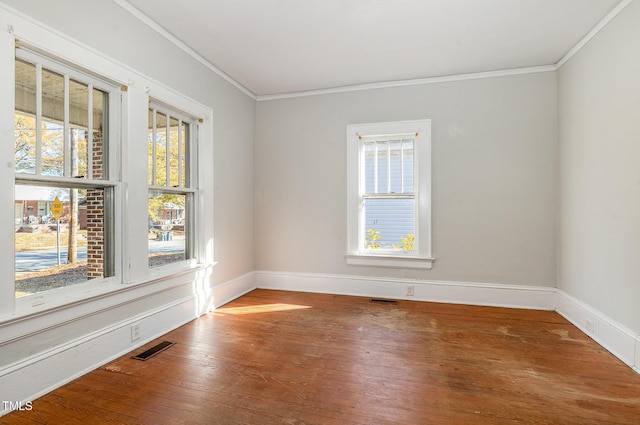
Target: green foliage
point(25, 143)
point(157, 150)
point(52, 148)
point(159, 202)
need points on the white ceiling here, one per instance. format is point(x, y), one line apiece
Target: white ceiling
point(285, 46)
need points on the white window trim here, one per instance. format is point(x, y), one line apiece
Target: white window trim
point(357, 255)
point(129, 183)
point(189, 188)
point(66, 295)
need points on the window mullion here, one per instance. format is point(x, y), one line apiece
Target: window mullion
point(375, 168)
point(167, 151)
point(389, 196)
point(154, 139)
point(402, 166)
point(388, 166)
point(180, 182)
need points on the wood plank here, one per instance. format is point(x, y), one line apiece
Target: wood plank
point(273, 357)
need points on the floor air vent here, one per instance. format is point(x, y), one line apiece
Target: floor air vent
point(154, 350)
point(382, 301)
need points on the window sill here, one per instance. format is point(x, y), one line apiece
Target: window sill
point(423, 263)
point(39, 304)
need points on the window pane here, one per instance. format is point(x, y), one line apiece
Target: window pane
point(408, 165)
point(184, 154)
point(382, 174)
point(79, 123)
point(388, 166)
point(43, 264)
point(391, 220)
point(25, 121)
point(152, 150)
point(161, 149)
point(167, 224)
point(369, 167)
point(174, 157)
point(100, 137)
point(396, 170)
point(52, 123)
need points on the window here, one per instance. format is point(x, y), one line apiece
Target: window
point(389, 172)
point(171, 193)
point(80, 207)
point(61, 155)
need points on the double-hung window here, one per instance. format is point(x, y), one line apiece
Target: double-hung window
point(171, 185)
point(85, 215)
point(65, 178)
point(389, 171)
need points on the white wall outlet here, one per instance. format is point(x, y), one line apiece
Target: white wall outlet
point(135, 331)
point(410, 289)
point(589, 325)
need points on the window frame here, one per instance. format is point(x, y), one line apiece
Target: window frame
point(129, 184)
point(187, 187)
point(357, 253)
point(110, 183)
point(76, 73)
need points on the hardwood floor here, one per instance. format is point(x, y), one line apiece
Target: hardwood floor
point(274, 357)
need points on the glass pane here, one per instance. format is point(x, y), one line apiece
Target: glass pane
point(151, 150)
point(382, 174)
point(369, 167)
point(100, 136)
point(389, 223)
point(25, 121)
point(52, 253)
point(395, 162)
point(161, 150)
point(79, 123)
point(408, 167)
point(184, 154)
point(52, 123)
point(174, 154)
point(167, 225)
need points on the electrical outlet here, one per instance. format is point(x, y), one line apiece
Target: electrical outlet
point(589, 325)
point(135, 331)
point(410, 289)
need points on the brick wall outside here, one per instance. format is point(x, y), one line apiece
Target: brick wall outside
point(95, 214)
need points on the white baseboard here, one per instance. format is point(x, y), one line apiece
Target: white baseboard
point(636, 365)
point(612, 336)
point(232, 289)
point(39, 374)
point(530, 297)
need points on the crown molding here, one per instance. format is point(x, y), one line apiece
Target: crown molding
point(414, 82)
point(461, 77)
point(595, 30)
point(157, 28)
point(380, 85)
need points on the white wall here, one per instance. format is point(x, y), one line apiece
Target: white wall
point(109, 29)
point(35, 351)
point(599, 110)
point(494, 178)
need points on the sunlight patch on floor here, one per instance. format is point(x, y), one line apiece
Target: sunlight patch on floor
point(265, 308)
